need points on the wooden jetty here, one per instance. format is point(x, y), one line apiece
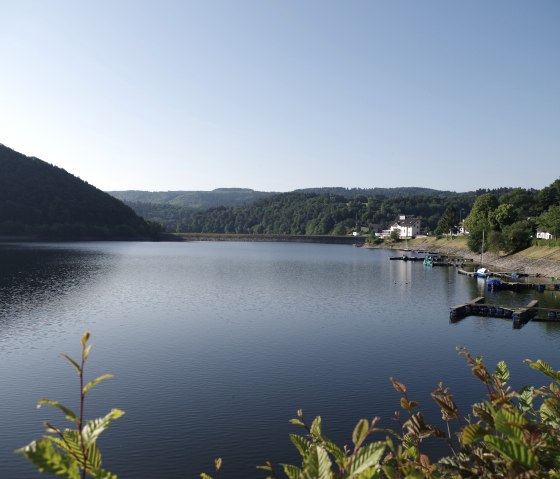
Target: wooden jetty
point(519, 315)
point(523, 315)
point(466, 309)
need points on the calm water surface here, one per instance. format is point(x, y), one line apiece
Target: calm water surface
point(214, 346)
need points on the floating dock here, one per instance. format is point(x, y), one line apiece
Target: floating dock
point(516, 285)
point(519, 315)
point(435, 259)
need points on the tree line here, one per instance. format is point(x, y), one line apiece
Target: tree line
point(508, 222)
point(301, 213)
point(508, 217)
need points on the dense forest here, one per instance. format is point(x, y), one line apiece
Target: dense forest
point(509, 217)
point(508, 222)
point(41, 200)
point(305, 213)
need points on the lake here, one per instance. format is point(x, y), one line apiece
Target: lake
point(215, 345)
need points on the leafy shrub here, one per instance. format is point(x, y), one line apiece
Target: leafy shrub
point(508, 434)
point(73, 453)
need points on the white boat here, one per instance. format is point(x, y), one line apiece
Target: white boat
point(483, 272)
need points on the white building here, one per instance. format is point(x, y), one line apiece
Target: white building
point(408, 226)
point(544, 235)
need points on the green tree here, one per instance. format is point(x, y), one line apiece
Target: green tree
point(479, 220)
point(522, 200)
point(448, 222)
point(517, 236)
point(481, 211)
point(503, 215)
point(395, 235)
point(550, 221)
point(476, 237)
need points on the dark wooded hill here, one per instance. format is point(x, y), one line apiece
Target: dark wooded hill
point(39, 200)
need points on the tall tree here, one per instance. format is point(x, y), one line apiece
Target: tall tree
point(550, 221)
point(448, 221)
point(481, 211)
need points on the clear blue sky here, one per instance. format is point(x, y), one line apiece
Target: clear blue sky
point(278, 95)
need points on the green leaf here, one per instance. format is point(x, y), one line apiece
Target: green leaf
point(550, 411)
point(302, 444)
point(101, 474)
point(94, 458)
point(510, 424)
point(266, 467)
point(525, 397)
point(85, 338)
point(502, 372)
point(46, 458)
point(71, 444)
point(95, 382)
point(317, 464)
point(472, 433)
point(70, 415)
point(333, 449)
point(297, 422)
point(292, 472)
point(366, 458)
point(360, 432)
point(545, 368)
point(316, 427)
point(514, 451)
point(205, 476)
point(72, 362)
point(95, 427)
point(87, 351)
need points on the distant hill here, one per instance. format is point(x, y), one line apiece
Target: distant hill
point(237, 197)
point(41, 200)
point(401, 192)
point(233, 197)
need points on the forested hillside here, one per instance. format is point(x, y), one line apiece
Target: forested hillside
point(193, 199)
point(509, 216)
point(509, 221)
point(304, 213)
point(41, 200)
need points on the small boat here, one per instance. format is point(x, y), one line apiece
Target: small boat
point(482, 272)
point(432, 259)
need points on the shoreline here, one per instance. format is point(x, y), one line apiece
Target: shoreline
point(534, 260)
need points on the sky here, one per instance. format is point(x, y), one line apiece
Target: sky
point(276, 95)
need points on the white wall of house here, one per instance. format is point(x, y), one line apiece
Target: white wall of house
point(544, 235)
point(406, 231)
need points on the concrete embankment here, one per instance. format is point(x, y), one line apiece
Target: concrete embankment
point(270, 238)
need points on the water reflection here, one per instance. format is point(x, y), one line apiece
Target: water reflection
point(33, 278)
point(214, 346)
